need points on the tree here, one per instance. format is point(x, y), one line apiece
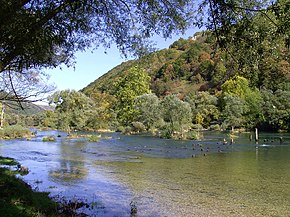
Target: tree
point(148, 108)
point(254, 37)
point(73, 109)
point(103, 110)
point(37, 33)
point(48, 119)
point(241, 103)
point(176, 114)
point(275, 110)
point(233, 112)
point(135, 83)
point(23, 87)
point(236, 86)
point(229, 19)
point(204, 106)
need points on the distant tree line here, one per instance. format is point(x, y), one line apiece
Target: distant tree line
point(136, 109)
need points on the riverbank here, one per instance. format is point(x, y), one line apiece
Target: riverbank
point(17, 198)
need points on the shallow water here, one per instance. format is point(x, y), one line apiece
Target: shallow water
point(162, 177)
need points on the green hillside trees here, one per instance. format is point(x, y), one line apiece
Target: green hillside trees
point(135, 83)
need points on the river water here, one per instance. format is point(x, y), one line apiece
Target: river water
point(161, 177)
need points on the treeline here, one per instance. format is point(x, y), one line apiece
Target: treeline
point(134, 109)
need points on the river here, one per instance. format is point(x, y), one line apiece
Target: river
point(161, 177)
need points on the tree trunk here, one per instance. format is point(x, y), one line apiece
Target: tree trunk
point(2, 117)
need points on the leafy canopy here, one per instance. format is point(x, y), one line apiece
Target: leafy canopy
point(128, 88)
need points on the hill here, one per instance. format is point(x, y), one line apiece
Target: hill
point(173, 70)
point(195, 64)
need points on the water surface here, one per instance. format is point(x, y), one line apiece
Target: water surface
point(162, 177)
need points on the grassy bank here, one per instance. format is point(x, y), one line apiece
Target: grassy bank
point(14, 132)
point(18, 199)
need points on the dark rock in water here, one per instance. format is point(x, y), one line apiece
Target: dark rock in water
point(22, 170)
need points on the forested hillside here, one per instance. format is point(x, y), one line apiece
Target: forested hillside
point(196, 64)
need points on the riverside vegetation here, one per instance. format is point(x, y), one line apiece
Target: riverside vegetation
point(18, 199)
point(176, 92)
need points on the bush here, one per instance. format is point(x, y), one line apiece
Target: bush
point(48, 139)
point(215, 127)
point(120, 129)
point(194, 135)
point(127, 130)
point(94, 137)
point(197, 126)
point(138, 127)
point(15, 131)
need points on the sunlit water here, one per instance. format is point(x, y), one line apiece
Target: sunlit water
point(161, 177)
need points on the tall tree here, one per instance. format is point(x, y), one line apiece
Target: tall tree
point(37, 33)
point(233, 112)
point(23, 87)
point(204, 107)
point(135, 83)
point(176, 114)
point(148, 107)
point(73, 109)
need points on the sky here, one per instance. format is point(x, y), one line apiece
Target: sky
point(90, 66)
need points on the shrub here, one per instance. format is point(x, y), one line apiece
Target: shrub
point(127, 130)
point(215, 127)
point(94, 137)
point(15, 131)
point(193, 135)
point(197, 126)
point(138, 127)
point(48, 139)
point(120, 129)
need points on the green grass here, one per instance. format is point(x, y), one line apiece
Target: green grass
point(18, 199)
point(7, 161)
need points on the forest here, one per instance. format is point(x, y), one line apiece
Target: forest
point(232, 77)
point(176, 92)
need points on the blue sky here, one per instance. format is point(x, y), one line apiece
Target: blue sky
point(89, 66)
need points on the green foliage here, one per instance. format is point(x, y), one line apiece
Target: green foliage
point(138, 127)
point(7, 161)
point(134, 84)
point(176, 115)
point(18, 199)
point(275, 110)
point(149, 111)
point(204, 105)
point(73, 109)
point(37, 34)
point(48, 139)
point(236, 86)
point(49, 119)
point(215, 127)
point(233, 112)
point(15, 131)
point(94, 137)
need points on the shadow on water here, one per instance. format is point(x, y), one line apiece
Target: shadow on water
point(162, 177)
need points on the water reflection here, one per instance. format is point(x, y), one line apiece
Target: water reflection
point(71, 163)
